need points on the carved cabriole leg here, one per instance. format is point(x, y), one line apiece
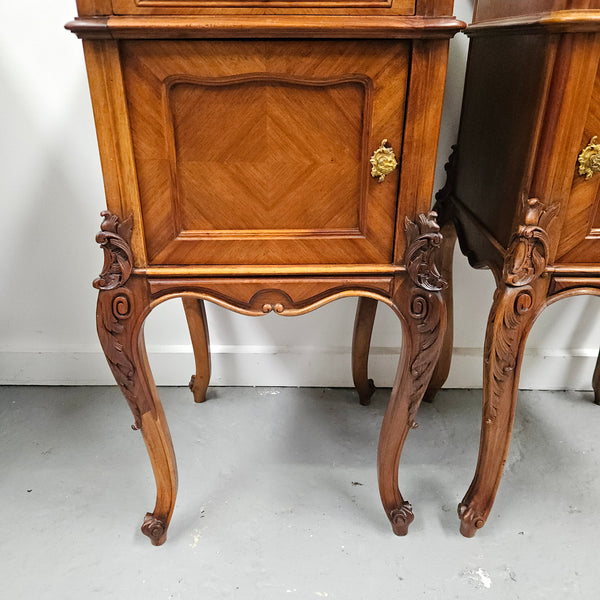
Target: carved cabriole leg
point(519, 298)
point(513, 313)
point(423, 319)
point(442, 368)
point(123, 304)
point(596, 382)
point(361, 342)
point(120, 317)
point(195, 314)
point(418, 302)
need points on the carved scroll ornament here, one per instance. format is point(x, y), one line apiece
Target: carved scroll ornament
point(154, 528)
point(510, 314)
point(423, 240)
point(527, 251)
point(401, 518)
point(114, 238)
point(113, 310)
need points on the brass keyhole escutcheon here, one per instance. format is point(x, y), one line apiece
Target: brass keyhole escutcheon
point(383, 161)
point(589, 159)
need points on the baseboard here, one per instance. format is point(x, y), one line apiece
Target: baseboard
point(286, 366)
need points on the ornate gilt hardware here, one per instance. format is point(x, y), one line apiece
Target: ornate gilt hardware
point(383, 161)
point(589, 159)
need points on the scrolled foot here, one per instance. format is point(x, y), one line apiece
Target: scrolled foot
point(155, 529)
point(364, 395)
point(198, 389)
point(470, 521)
point(401, 518)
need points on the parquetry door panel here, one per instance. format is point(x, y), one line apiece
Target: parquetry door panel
point(580, 239)
point(258, 151)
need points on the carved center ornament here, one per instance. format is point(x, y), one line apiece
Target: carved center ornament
point(423, 240)
point(527, 251)
point(114, 238)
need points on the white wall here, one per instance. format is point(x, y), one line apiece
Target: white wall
point(51, 193)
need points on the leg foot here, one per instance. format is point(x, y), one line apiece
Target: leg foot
point(401, 518)
point(155, 529)
point(361, 341)
point(195, 313)
point(469, 522)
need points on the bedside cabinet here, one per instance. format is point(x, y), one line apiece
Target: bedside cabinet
point(268, 157)
point(523, 191)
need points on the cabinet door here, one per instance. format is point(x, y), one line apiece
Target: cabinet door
point(580, 237)
point(257, 152)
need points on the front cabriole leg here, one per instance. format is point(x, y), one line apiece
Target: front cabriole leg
point(418, 302)
point(511, 317)
point(123, 304)
point(520, 296)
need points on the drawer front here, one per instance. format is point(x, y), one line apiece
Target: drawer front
point(190, 7)
point(580, 237)
point(257, 152)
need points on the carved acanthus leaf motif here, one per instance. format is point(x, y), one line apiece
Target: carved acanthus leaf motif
point(114, 238)
point(527, 251)
point(426, 311)
point(423, 239)
point(511, 307)
point(114, 308)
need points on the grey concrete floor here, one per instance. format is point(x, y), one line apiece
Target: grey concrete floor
point(278, 499)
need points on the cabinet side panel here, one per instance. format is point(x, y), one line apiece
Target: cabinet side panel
point(501, 109)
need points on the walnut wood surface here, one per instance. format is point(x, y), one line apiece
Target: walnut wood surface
point(120, 317)
point(442, 367)
point(305, 126)
point(409, 7)
point(195, 314)
point(366, 309)
point(519, 206)
point(227, 26)
point(486, 10)
point(237, 170)
point(318, 7)
point(423, 317)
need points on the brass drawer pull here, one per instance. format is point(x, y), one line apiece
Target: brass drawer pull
point(383, 161)
point(589, 159)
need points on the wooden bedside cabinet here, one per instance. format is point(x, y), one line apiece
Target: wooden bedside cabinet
point(524, 193)
point(268, 156)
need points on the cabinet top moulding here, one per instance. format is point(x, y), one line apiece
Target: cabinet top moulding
point(280, 26)
point(551, 22)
